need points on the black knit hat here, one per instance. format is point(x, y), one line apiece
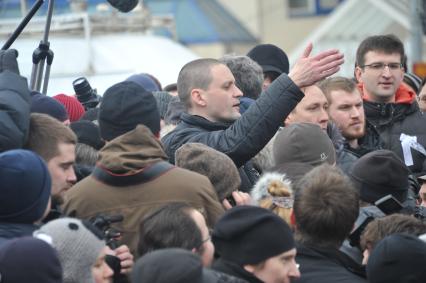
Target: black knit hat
point(251, 235)
point(398, 258)
point(88, 133)
point(124, 106)
point(380, 173)
point(270, 57)
point(172, 265)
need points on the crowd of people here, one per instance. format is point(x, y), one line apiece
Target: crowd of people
point(245, 170)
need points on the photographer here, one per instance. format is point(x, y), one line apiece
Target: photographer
point(379, 176)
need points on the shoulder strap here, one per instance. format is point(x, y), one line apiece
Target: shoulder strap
point(145, 175)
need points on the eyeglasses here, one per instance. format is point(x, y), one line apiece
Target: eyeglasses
point(381, 66)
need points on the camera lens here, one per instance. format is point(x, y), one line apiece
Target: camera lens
point(82, 89)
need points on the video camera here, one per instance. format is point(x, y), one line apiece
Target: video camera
point(87, 96)
point(103, 223)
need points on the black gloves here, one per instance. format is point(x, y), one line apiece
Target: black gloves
point(8, 60)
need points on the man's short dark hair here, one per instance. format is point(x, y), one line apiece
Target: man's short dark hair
point(247, 73)
point(325, 207)
point(387, 44)
point(388, 225)
point(171, 226)
point(195, 74)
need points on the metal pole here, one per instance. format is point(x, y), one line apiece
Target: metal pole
point(23, 7)
point(416, 33)
point(22, 25)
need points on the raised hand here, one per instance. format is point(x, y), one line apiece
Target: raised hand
point(309, 70)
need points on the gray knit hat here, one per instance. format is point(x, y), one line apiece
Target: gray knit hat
point(303, 142)
point(77, 245)
point(217, 166)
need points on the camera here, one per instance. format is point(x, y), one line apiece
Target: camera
point(87, 96)
point(103, 223)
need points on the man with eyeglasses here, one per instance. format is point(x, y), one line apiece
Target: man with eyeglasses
point(394, 120)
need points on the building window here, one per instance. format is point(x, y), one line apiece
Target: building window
point(308, 8)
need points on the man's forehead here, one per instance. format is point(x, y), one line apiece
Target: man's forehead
point(221, 71)
point(343, 96)
point(380, 55)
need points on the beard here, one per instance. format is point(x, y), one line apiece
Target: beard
point(353, 135)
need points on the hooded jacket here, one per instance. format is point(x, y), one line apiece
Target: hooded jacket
point(14, 110)
point(123, 160)
point(242, 140)
point(387, 121)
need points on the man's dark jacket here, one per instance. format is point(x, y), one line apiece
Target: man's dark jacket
point(327, 265)
point(14, 110)
point(242, 140)
point(387, 121)
point(10, 231)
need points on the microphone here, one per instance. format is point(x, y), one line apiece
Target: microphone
point(124, 6)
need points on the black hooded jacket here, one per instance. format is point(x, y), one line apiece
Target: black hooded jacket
point(14, 110)
point(242, 140)
point(387, 121)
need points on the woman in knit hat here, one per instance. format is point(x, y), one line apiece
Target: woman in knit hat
point(80, 248)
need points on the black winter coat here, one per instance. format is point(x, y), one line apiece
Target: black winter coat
point(10, 231)
point(242, 140)
point(386, 123)
point(319, 265)
point(14, 111)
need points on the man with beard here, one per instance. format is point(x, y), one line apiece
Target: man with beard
point(346, 110)
point(55, 143)
point(207, 87)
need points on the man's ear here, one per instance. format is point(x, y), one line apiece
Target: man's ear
point(249, 268)
point(358, 72)
point(287, 120)
point(198, 97)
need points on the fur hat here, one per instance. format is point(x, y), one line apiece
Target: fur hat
point(88, 133)
point(29, 259)
point(171, 265)
point(217, 166)
point(41, 103)
point(270, 57)
point(268, 183)
point(397, 258)
point(72, 105)
point(78, 245)
point(163, 99)
point(124, 106)
point(174, 110)
point(25, 186)
point(378, 174)
point(305, 143)
point(250, 235)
